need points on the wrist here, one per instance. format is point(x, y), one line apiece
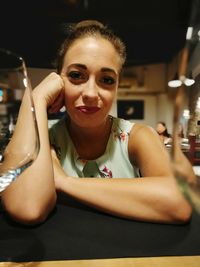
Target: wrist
point(64, 184)
point(38, 100)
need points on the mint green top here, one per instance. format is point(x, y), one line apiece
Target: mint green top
point(114, 163)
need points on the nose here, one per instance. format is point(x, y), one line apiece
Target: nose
point(90, 92)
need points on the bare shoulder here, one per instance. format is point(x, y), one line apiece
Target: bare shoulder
point(147, 151)
point(143, 134)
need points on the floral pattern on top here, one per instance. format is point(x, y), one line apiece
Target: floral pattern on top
point(122, 136)
point(113, 163)
point(106, 173)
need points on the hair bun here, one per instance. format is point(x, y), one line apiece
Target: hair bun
point(89, 23)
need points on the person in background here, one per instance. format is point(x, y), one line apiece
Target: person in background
point(180, 130)
point(162, 131)
point(89, 155)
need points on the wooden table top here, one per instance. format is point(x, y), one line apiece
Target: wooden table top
point(175, 261)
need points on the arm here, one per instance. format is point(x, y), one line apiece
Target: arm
point(155, 197)
point(32, 195)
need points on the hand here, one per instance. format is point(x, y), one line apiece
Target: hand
point(51, 90)
point(59, 174)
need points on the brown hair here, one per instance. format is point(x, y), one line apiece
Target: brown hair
point(88, 28)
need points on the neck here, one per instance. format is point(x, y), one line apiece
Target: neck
point(89, 133)
point(90, 142)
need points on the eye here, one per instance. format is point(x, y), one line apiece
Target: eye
point(108, 80)
point(75, 75)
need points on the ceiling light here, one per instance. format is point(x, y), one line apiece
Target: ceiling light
point(189, 82)
point(178, 81)
point(174, 83)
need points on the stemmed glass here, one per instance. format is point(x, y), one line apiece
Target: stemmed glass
point(187, 117)
point(15, 155)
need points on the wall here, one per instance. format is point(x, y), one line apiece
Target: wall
point(149, 83)
point(145, 79)
point(36, 75)
point(157, 107)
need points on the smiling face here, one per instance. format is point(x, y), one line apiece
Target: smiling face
point(90, 73)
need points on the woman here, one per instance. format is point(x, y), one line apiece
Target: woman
point(161, 129)
point(91, 143)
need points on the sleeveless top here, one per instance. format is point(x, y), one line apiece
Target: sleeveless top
point(114, 163)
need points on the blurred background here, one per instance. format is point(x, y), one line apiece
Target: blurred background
point(154, 32)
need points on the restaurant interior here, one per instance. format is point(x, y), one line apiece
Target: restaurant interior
point(163, 47)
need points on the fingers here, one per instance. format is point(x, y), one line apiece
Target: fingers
point(54, 155)
point(53, 152)
point(57, 104)
point(51, 91)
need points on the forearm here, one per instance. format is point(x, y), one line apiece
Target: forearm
point(147, 199)
point(23, 145)
point(32, 195)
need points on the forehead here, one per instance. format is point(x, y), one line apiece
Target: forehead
point(93, 52)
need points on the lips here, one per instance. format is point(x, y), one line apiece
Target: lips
point(88, 109)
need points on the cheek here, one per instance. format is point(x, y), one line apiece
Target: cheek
point(109, 97)
point(71, 93)
point(68, 98)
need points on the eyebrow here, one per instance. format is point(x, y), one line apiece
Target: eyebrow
point(82, 66)
point(108, 70)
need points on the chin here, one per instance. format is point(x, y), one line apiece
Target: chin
point(88, 121)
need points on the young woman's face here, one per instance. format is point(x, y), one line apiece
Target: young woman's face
point(90, 73)
point(160, 128)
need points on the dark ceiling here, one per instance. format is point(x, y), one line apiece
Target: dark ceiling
point(153, 30)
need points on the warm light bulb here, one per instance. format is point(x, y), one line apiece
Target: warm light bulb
point(189, 82)
point(174, 83)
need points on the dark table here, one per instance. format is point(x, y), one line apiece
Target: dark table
point(76, 232)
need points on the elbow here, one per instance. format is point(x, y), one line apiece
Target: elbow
point(180, 211)
point(185, 215)
point(29, 214)
point(28, 218)
point(175, 207)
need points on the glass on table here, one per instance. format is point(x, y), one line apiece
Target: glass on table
point(15, 154)
point(186, 140)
